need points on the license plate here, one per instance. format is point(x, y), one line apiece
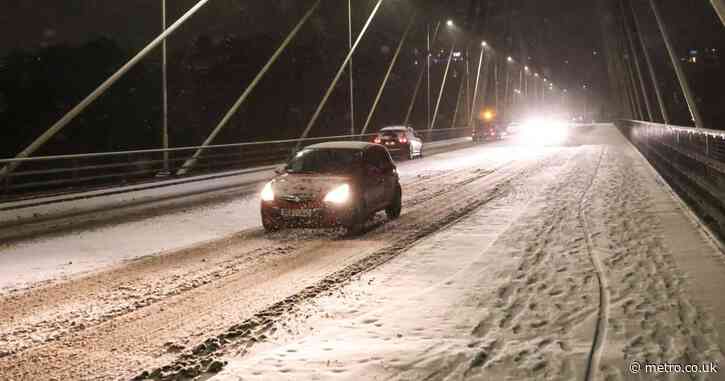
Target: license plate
point(297, 212)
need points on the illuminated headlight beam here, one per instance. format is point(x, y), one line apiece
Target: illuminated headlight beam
point(543, 132)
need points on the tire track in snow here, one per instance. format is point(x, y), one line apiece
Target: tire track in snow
point(549, 295)
point(600, 332)
point(425, 209)
point(204, 358)
point(128, 297)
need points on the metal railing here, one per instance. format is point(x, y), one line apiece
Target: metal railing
point(44, 175)
point(692, 160)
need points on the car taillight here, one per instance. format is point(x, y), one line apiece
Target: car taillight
point(403, 140)
point(376, 140)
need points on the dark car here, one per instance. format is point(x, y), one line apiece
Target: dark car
point(401, 141)
point(485, 131)
point(330, 185)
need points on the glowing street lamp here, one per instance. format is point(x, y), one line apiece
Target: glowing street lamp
point(484, 44)
point(450, 23)
point(487, 115)
point(509, 59)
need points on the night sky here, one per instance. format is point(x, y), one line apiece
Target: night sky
point(562, 37)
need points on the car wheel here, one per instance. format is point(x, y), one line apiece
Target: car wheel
point(393, 210)
point(270, 227)
point(355, 226)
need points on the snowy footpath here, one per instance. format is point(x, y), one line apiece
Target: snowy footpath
point(587, 269)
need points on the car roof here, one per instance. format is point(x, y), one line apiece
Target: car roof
point(341, 145)
point(394, 128)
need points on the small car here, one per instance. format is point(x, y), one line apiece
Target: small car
point(335, 184)
point(487, 131)
point(401, 141)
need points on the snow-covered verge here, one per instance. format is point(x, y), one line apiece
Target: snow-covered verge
point(573, 274)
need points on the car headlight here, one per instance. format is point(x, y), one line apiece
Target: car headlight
point(268, 192)
point(339, 195)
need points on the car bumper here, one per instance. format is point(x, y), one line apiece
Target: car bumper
point(307, 216)
point(398, 149)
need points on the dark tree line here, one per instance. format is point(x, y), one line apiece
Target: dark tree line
point(206, 76)
point(208, 73)
point(38, 87)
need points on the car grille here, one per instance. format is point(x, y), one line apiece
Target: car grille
point(294, 198)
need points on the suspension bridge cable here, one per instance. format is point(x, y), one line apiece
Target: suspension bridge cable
point(189, 163)
point(68, 117)
point(387, 74)
point(322, 103)
point(443, 86)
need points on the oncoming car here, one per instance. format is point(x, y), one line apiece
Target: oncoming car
point(401, 141)
point(488, 131)
point(330, 185)
point(487, 127)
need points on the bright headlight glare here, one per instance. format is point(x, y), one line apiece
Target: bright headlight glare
point(544, 132)
point(268, 192)
point(339, 195)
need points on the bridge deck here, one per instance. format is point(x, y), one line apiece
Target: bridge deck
point(493, 270)
point(511, 290)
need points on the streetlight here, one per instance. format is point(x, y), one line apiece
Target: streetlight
point(450, 23)
point(484, 44)
point(509, 59)
point(526, 68)
point(536, 75)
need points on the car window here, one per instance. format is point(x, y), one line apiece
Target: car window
point(372, 159)
point(382, 157)
point(324, 161)
point(377, 157)
point(386, 159)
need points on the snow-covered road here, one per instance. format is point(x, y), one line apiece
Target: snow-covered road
point(43, 241)
point(510, 261)
point(576, 273)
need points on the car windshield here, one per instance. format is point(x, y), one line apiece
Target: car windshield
point(324, 161)
point(391, 133)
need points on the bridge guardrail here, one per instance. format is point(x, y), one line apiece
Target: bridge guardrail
point(59, 174)
point(692, 160)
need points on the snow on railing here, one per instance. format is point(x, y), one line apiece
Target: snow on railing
point(691, 159)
